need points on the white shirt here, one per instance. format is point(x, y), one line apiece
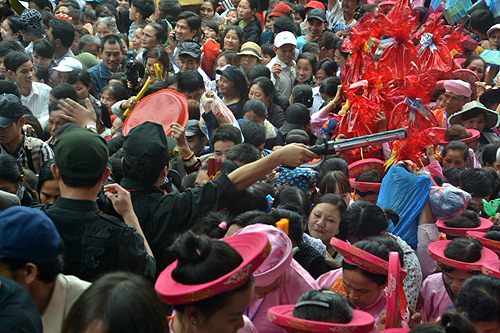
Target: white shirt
point(336, 16)
point(67, 289)
point(317, 100)
point(287, 77)
point(38, 101)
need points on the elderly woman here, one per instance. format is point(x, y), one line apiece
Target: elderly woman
point(106, 26)
point(250, 56)
point(476, 116)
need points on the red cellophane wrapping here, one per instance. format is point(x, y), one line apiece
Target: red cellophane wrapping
point(435, 57)
point(413, 148)
point(211, 50)
point(411, 112)
point(400, 58)
point(360, 61)
point(457, 40)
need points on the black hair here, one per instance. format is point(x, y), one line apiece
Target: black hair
point(328, 65)
point(243, 152)
point(160, 32)
point(117, 90)
point(10, 170)
point(491, 99)
point(297, 136)
point(252, 198)
point(338, 47)
point(464, 250)
point(79, 75)
point(201, 260)
point(312, 48)
point(333, 164)
point(76, 15)
point(144, 7)
point(295, 225)
point(209, 225)
point(364, 219)
point(310, 57)
point(63, 31)
point(268, 49)
point(111, 39)
point(457, 145)
point(44, 174)
point(102, 10)
point(476, 181)
point(333, 179)
point(64, 90)
point(284, 23)
point(42, 4)
point(252, 217)
point(228, 166)
point(327, 40)
point(323, 306)
point(493, 235)
point(254, 134)
point(15, 59)
point(44, 48)
point(42, 73)
point(226, 133)
point(479, 298)
point(77, 182)
point(121, 302)
point(190, 81)
point(379, 247)
point(452, 175)
point(334, 200)
point(238, 31)
point(47, 17)
point(370, 176)
point(367, 8)
point(258, 71)
point(267, 87)
point(330, 86)
point(171, 9)
point(160, 54)
point(7, 46)
point(468, 219)
point(481, 20)
point(257, 107)
point(468, 61)
point(193, 20)
point(302, 93)
point(8, 87)
point(13, 24)
point(294, 199)
point(47, 272)
point(211, 24)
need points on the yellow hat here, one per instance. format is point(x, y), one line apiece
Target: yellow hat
point(251, 48)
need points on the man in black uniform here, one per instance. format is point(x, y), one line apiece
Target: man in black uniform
point(164, 216)
point(95, 243)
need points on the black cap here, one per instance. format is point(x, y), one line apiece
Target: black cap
point(193, 128)
point(284, 23)
point(190, 48)
point(10, 109)
point(233, 73)
point(81, 154)
point(147, 146)
point(296, 117)
point(317, 14)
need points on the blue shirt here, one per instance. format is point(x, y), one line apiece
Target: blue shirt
point(100, 74)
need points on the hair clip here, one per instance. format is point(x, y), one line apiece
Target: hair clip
point(223, 225)
point(317, 303)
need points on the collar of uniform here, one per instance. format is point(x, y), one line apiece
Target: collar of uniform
point(33, 92)
point(104, 71)
point(132, 185)
point(74, 204)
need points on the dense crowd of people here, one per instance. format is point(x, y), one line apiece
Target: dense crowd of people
point(168, 166)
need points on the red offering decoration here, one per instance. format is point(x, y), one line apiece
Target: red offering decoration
point(163, 107)
point(435, 57)
point(214, 167)
point(412, 148)
point(211, 49)
point(396, 299)
point(399, 59)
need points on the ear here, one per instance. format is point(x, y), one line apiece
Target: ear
point(30, 272)
point(11, 73)
point(105, 175)
point(55, 172)
point(193, 315)
point(121, 160)
point(21, 182)
point(496, 166)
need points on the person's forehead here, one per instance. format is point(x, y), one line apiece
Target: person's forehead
point(111, 47)
point(286, 47)
point(182, 23)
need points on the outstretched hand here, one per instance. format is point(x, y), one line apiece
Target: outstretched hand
point(77, 114)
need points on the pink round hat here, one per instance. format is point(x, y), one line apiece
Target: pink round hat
point(280, 256)
point(489, 243)
point(282, 315)
point(436, 252)
point(458, 87)
point(474, 135)
point(253, 248)
point(360, 166)
point(492, 268)
point(462, 232)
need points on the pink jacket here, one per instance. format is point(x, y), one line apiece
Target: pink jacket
point(435, 297)
point(296, 281)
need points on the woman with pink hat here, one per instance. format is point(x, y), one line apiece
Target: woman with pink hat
point(279, 279)
point(363, 278)
point(458, 260)
point(210, 284)
point(321, 311)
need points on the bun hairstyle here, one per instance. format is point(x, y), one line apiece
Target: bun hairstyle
point(493, 235)
point(201, 260)
point(379, 247)
point(464, 250)
point(302, 93)
point(451, 322)
point(364, 219)
point(468, 219)
point(324, 306)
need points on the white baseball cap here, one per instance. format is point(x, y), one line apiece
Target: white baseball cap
point(493, 28)
point(68, 64)
point(285, 37)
